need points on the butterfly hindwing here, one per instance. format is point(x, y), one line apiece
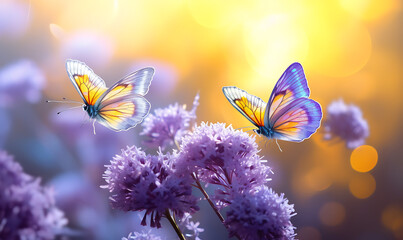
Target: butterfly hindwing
point(87, 83)
point(124, 112)
point(250, 106)
point(298, 120)
point(291, 86)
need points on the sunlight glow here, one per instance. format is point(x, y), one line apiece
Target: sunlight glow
point(362, 185)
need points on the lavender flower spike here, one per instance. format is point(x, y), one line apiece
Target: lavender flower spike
point(346, 122)
point(260, 214)
point(27, 210)
point(144, 182)
point(167, 125)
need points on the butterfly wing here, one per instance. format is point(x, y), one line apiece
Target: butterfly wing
point(298, 120)
point(124, 112)
point(122, 106)
point(250, 106)
point(134, 84)
point(291, 86)
point(87, 83)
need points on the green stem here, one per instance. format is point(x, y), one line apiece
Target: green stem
point(174, 225)
point(199, 186)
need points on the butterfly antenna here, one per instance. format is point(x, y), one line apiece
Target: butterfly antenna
point(244, 127)
point(68, 109)
point(93, 125)
point(64, 101)
point(278, 145)
point(249, 130)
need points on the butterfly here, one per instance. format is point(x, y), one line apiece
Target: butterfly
point(120, 107)
point(289, 114)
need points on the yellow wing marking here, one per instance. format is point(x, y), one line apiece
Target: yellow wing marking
point(90, 92)
point(118, 112)
point(255, 113)
point(119, 91)
point(280, 101)
point(291, 120)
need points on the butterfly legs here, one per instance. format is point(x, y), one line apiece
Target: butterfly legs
point(278, 146)
point(93, 126)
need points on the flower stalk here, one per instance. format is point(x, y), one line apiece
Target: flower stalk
point(199, 186)
point(174, 225)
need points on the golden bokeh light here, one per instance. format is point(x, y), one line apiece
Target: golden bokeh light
point(339, 45)
point(370, 10)
point(273, 43)
point(392, 217)
point(217, 14)
point(362, 185)
point(332, 213)
point(317, 179)
point(56, 31)
point(308, 233)
point(364, 158)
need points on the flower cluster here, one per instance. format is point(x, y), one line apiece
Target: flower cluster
point(346, 122)
point(22, 80)
point(221, 155)
point(145, 182)
point(212, 154)
point(27, 210)
point(259, 213)
point(167, 126)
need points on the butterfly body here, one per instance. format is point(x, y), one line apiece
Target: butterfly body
point(288, 115)
point(267, 132)
point(91, 110)
point(120, 107)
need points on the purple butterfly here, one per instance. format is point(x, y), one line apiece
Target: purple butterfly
point(289, 115)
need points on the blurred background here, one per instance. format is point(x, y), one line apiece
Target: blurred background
point(350, 50)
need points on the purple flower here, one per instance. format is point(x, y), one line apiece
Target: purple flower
point(168, 125)
point(14, 18)
point(22, 80)
point(144, 182)
point(193, 227)
point(223, 156)
point(141, 236)
point(259, 214)
point(27, 210)
point(346, 122)
point(85, 207)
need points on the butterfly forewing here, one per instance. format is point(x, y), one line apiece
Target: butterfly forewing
point(87, 83)
point(291, 86)
point(250, 106)
point(135, 84)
